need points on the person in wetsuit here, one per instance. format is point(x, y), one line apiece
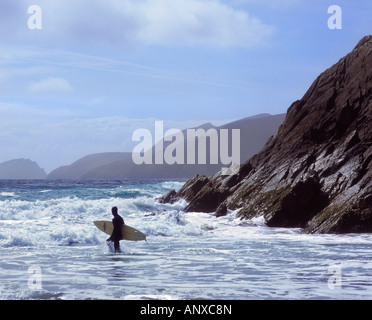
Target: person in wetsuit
point(116, 235)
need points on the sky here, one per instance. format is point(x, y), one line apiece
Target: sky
point(94, 71)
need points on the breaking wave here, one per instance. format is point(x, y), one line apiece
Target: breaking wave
point(64, 216)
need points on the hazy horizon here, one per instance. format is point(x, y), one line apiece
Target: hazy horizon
point(219, 123)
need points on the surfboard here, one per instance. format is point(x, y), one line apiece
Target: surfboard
point(128, 232)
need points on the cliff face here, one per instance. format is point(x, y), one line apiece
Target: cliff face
point(317, 172)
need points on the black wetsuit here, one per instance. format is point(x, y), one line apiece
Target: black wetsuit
point(116, 235)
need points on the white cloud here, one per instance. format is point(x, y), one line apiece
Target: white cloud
point(51, 85)
point(195, 22)
point(148, 22)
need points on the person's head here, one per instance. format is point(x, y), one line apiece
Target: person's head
point(114, 211)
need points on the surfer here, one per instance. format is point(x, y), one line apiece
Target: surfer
point(116, 235)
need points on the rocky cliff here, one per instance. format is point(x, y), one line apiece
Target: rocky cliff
point(316, 173)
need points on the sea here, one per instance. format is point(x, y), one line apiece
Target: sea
point(51, 250)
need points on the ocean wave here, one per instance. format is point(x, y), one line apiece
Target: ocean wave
point(187, 255)
point(16, 241)
point(7, 194)
point(60, 235)
point(68, 220)
point(69, 237)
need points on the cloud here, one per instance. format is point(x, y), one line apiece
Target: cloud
point(195, 22)
point(51, 85)
point(268, 3)
point(147, 22)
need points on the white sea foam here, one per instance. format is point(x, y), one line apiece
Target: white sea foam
point(15, 241)
point(7, 194)
point(69, 220)
point(188, 255)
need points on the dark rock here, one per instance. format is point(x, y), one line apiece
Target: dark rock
point(299, 206)
point(170, 197)
point(316, 173)
point(192, 187)
point(188, 191)
point(344, 218)
point(207, 199)
point(221, 210)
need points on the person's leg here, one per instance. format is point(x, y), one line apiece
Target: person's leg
point(117, 245)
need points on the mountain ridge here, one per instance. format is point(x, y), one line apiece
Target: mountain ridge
point(254, 132)
point(23, 169)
